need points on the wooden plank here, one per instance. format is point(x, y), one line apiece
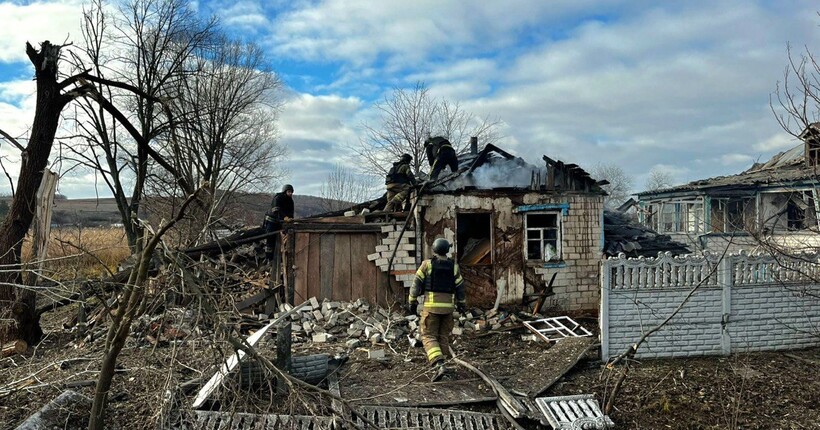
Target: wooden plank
point(379, 293)
point(302, 252)
point(326, 255)
point(363, 273)
point(341, 268)
point(314, 266)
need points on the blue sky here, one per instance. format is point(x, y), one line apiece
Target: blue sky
point(678, 86)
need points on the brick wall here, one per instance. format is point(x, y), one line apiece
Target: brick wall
point(577, 284)
point(744, 304)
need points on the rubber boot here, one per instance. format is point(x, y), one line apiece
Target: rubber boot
point(441, 370)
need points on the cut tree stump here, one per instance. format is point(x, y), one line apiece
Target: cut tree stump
point(14, 347)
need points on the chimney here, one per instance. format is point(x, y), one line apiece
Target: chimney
point(473, 145)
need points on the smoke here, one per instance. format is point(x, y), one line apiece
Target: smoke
point(497, 173)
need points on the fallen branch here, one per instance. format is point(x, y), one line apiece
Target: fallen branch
point(242, 345)
point(509, 406)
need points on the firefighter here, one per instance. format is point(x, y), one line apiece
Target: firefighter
point(281, 210)
point(440, 281)
point(440, 154)
point(399, 179)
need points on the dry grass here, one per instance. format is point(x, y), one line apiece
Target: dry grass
point(82, 252)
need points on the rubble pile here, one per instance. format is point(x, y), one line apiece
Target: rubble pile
point(360, 324)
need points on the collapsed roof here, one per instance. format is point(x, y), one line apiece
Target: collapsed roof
point(494, 168)
point(786, 168)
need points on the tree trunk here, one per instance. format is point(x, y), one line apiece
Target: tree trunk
point(16, 302)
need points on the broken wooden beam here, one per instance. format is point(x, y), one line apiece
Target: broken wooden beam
point(506, 401)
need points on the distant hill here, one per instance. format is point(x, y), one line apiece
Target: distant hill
point(250, 210)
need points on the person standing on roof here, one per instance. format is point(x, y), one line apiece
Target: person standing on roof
point(440, 154)
point(281, 211)
point(399, 179)
point(439, 281)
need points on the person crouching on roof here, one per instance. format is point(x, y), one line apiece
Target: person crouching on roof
point(440, 281)
point(398, 181)
point(440, 154)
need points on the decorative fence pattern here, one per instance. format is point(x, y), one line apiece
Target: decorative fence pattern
point(741, 303)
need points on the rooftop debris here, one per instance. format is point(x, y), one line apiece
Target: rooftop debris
point(623, 234)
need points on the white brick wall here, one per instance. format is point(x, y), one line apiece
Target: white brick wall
point(403, 261)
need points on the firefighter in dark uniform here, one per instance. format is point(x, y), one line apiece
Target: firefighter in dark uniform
point(439, 281)
point(440, 154)
point(399, 179)
point(281, 210)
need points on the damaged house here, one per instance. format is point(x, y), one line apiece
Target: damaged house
point(518, 231)
point(775, 202)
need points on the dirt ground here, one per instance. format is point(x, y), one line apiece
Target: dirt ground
point(776, 390)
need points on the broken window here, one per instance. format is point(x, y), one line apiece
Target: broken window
point(796, 214)
point(474, 239)
point(733, 214)
point(812, 151)
point(543, 236)
point(679, 217)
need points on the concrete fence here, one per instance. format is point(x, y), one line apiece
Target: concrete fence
point(739, 303)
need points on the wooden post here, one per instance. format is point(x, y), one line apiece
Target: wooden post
point(275, 283)
point(290, 267)
point(283, 360)
point(42, 217)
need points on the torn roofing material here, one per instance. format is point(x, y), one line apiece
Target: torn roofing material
point(785, 168)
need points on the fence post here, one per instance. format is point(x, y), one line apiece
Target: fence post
point(724, 274)
point(606, 278)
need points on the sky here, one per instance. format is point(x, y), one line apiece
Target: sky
point(683, 87)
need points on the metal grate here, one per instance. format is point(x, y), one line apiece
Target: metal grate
point(556, 328)
point(431, 419)
point(208, 420)
point(579, 412)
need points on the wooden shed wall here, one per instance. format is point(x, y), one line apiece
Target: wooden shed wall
point(334, 266)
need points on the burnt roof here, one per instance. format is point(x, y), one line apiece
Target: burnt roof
point(495, 169)
point(784, 169)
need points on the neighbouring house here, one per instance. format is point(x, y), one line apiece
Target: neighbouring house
point(512, 224)
point(775, 202)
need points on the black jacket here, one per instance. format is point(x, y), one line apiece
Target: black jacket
point(282, 206)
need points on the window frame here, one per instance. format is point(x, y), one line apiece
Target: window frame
point(559, 228)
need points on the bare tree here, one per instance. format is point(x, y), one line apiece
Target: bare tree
point(226, 132)
point(344, 187)
point(620, 183)
point(18, 318)
point(658, 180)
point(407, 117)
point(147, 44)
point(796, 100)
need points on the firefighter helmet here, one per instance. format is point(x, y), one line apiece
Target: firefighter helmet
point(441, 246)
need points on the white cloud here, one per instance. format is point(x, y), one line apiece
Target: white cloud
point(57, 21)
point(736, 159)
point(777, 142)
